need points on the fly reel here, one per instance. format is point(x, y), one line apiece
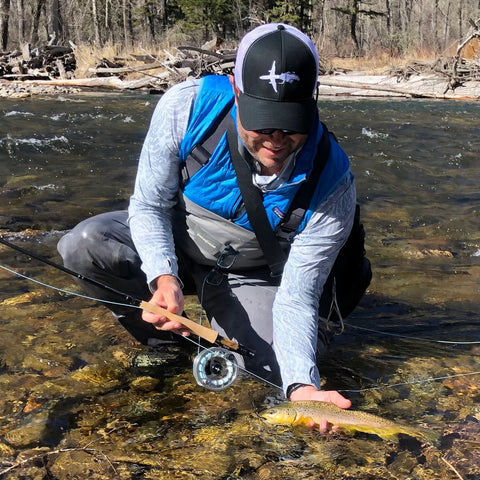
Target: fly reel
point(215, 368)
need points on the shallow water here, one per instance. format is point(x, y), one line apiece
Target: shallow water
point(72, 405)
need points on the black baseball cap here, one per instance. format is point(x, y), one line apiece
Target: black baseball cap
point(276, 72)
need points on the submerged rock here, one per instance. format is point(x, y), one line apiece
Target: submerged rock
point(44, 427)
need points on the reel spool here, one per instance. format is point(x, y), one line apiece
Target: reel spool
point(215, 368)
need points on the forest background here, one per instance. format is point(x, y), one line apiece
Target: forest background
point(340, 28)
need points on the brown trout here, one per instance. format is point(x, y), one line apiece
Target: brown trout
point(303, 412)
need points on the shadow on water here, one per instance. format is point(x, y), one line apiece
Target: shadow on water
point(73, 406)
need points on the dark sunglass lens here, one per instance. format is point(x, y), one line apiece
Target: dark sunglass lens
point(270, 131)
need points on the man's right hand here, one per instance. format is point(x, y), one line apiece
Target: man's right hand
point(309, 392)
point(168, 295)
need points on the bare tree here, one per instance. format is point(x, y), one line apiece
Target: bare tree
point(127, 22)
point(56, 22)
point(37, 11)
point(394, 25)
point(446, 26)
point(388, 16)
point(4, 19)
point(21, 21)
point(96, 23)
point(353, 11)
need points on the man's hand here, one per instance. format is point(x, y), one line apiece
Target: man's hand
point(168, 295)
point(309, 392)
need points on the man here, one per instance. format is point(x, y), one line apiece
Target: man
point(195, 232)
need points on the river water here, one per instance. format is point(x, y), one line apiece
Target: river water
point(73, 406)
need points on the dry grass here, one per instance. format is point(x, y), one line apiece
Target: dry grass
point(380, 63)
point(89, 56)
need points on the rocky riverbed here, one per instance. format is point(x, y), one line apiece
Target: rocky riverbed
point(23, 89)
point(426, 85)
point(355, 84)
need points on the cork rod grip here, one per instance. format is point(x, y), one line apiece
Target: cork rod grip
point(203, 332)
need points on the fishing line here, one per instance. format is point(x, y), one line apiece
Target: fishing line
point(379, 387)
point(209, 334)
point(68, 292)
point(413, 382)
point(356, 327)
point(133, 305)
point(408, 337)
point(75, 294)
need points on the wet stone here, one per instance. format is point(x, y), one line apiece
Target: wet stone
point(158, 358)
point(81, 464)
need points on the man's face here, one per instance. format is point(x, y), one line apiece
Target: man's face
point(270, 150)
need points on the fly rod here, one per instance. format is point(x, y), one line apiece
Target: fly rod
point(206, 333)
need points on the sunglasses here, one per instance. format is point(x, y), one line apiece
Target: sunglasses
point(270, 131)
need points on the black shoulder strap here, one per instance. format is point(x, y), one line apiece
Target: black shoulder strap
point(251, 195)
point(301, 202)
point(201, 152)
point(253, 201)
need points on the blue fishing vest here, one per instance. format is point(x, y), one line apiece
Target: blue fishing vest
point(214, 187)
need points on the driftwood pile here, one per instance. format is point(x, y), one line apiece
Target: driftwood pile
point(54, 66)
point(159, 75)
point(45, 63)
point(462, 70)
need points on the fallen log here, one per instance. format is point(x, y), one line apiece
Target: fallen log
point(103, 82)
point(140, 68)
point(414, 92)
point(222, 56)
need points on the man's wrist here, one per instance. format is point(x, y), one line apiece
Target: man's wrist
point(167, 279)
point(294, 386)
point(300, 391)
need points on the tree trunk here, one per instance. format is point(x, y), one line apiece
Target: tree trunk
point(108, 24)
point(37, 11)
point(4, 18)
point(446, 29)
point(127, 22)
point(150, 21)
point(306, 8)
point(389, 17)
point(56, 24)
point(353, 23)
point(164, 15)
point(21, 22)
point(460, 17)
point(96, 28)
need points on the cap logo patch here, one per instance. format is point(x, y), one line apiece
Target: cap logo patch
point(273, 77)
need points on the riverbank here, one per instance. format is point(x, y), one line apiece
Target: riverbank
point(355, 84)
point(80, 70)
point(19, 89)
point(415, 86)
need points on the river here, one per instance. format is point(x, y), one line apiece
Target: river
point(72, 406)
